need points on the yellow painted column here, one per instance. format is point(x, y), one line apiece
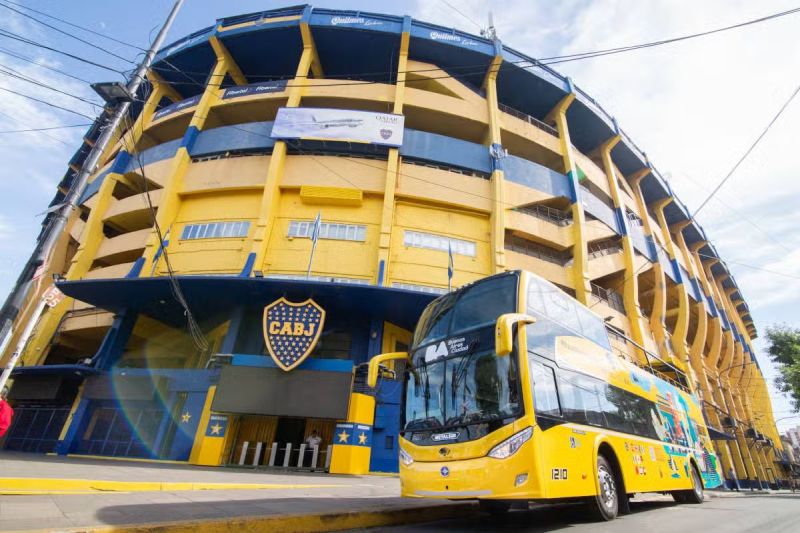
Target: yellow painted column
point(392, 167)
point(733, 446)
point(678, 337)
point(214, 431)
point(744, 450)
point(90, 240)
point(270, 199)
point(656, 318)
point(580, 252)
point(170, 202)
point(352, 440)
point(498, 215)
point(631, 285)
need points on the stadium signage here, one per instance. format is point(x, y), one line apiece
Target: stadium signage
point(263, 87)
point(177, 106)
point(443, 36)
point(339, 125)
point(291, 330)
point(336, 21)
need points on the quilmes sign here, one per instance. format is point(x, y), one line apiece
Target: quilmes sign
point(262, 87)
point(338, 125)
point(177, 106)
point(291, 330)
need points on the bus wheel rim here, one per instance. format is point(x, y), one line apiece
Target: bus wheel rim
point(608, 490)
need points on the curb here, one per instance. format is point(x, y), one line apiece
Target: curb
point(42, 486)
point(331, 521)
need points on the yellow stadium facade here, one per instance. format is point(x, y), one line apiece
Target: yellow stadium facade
point(421, 149)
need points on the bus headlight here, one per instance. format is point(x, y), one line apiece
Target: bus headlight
point(405, 458)
point(509, 447)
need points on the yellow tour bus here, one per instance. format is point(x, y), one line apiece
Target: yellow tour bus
point(513, 393)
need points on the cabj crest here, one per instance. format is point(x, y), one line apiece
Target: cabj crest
point(291, 330)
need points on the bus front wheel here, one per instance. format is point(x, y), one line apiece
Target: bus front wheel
point(605, 505)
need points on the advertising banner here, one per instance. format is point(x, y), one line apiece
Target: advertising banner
point(261, 87)
point(338, 125)
point(177, 106)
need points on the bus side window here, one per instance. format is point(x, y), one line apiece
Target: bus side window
point(579, 399)
point(545, 398)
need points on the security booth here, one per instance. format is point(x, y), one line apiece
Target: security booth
point(280, 382)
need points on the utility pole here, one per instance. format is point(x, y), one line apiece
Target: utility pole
point(52, 232)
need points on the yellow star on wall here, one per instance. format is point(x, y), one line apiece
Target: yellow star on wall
point(185, 417)
point(343, 436)
point(215, 429)
point(362, 439)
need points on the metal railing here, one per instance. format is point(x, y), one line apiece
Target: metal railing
point(532, 249)
point(546, 213)
point(447, 168)
point(680, 380)
point(533, 121)
point(599, 249)
point(278, 455)
point(610, 296)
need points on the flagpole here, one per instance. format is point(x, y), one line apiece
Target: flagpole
point(450, 266)
point(310, 259)
point(314, 238)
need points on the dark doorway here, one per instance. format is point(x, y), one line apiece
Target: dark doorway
point(290, 430)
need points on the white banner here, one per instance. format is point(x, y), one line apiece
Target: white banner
point(338, 125)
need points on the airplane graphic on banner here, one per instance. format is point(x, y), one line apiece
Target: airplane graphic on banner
point(339, 125)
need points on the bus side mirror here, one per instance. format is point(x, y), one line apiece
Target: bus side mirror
point(376, 362)
point(504, 331)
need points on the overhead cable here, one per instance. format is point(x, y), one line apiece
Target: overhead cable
point(68, 34)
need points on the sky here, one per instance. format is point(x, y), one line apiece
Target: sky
point(693, 106)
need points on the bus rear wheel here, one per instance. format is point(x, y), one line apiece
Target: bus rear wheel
point(605, 505)
point(693, 495)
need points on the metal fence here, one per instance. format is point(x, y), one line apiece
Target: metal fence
point(549, 214)
point(533, 121)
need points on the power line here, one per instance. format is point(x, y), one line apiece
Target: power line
point(20, 38)
point(620, 49)
point(104, 36)
point(790, 276)
point(467, 17)
point(8, 71)
point(15, 119)
point(41, 65)
point(747, 153)
point(79, 39)
point(46, 103)
point(48, 128)
point(544, 61)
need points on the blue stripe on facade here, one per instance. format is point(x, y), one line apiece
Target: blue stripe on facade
point(622, 225)
point(676, 268)
point(536, 176)
point(190, 137)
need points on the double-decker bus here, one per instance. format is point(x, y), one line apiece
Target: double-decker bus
point(513, 393)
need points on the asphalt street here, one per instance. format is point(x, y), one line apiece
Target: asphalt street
point(779, 513)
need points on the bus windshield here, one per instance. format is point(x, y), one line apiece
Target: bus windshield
point(457, 379)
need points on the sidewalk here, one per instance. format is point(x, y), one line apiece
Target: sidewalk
point(281, 501)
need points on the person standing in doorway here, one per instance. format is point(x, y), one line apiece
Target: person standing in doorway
point(734, 481)
point(6, 412)
point(312, 441)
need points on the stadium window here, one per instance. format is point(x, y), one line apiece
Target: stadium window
point(302, 229)
point(215, 230)
point(441, 243)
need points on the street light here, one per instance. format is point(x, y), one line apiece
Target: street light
point(113, 92)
